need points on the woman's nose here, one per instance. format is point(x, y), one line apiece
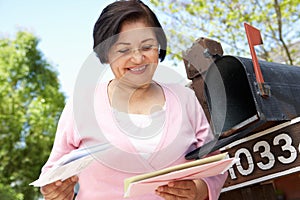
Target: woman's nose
point(137, 56)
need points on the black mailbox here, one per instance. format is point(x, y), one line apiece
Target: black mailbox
point(236, 105)
point(241, 101)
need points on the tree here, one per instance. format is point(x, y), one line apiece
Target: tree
point(222, 20)
point(7, 193)
point(31, 104)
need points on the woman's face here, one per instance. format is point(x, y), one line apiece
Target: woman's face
point(134, 56)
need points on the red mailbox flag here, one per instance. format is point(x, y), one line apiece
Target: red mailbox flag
point(254, 38)
point(253, 35)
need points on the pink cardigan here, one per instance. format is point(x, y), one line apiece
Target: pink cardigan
point(184, 129)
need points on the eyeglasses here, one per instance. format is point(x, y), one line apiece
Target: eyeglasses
point(145, 49)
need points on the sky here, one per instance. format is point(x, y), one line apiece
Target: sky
point(63, 27)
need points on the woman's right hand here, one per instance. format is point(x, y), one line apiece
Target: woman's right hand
point(60, 190)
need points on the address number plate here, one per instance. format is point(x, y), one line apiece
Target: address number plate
point(265, 155)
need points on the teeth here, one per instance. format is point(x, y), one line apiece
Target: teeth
point(138, 69)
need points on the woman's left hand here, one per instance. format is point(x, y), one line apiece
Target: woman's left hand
point(186, 189)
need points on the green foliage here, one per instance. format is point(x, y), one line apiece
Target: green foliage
point(30, 107)
point(7, 193)
point(222, 20)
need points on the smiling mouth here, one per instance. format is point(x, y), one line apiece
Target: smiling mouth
point(138, 69)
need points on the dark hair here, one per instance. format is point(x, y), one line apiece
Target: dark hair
point(114, 15)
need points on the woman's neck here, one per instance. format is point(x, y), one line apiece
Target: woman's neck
point(130, 88)
point(145, 99)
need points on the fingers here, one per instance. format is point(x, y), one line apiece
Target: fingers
point(60, 190)
point(178, 190)
point(185, 184)
point(167, 196)
point(186, 189)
